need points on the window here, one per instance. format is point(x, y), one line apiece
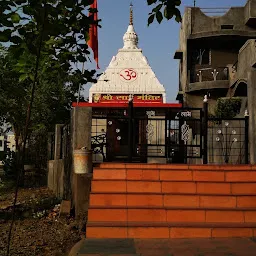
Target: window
point(1, 143)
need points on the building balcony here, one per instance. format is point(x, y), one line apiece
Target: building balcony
point(209, 78)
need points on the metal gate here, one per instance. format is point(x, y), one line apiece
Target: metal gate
point(142, 134)
point(173, 134)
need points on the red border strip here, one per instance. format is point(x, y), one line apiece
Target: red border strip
point(125, 105)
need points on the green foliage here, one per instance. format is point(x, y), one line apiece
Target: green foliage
point(55, 28)
point(164, 8)
point(228, 107)
point(54, 93)
point(38, 78)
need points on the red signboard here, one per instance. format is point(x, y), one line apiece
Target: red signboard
point(117, 98)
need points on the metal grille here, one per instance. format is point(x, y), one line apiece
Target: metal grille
point(227, 141)
point(174, 134)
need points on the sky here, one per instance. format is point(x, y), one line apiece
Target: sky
point(158, 42)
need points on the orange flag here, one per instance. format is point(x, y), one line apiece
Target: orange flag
point(93, 33)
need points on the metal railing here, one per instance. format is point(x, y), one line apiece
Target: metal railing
point(209, 74)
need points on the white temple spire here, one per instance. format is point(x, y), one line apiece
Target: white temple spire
point(128, 73)
point(130, 37)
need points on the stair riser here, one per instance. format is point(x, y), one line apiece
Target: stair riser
point(177, 216)
point(173, 200)
point(165, 232)
point(175, 175)
point(166, 187)
point(129, 166)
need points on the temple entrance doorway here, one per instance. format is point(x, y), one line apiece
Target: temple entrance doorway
point(171, 135)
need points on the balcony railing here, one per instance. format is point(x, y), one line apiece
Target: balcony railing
point(209, 74)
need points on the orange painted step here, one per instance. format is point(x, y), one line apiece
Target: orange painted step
point(168, 230)
point(142, 174)
point(123, 199)
point(201, 201)
point(167, 175)
point(142, 166)
point(175, 187)
point(176, 166)
point(175, 200)
point(204, 175)
point(108, 186)
point(139, 214)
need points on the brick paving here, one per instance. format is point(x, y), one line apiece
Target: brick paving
point(165, 247)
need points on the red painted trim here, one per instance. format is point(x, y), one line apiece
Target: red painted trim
point(125, 105)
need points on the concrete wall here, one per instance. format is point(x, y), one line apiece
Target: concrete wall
point(185, 31)
point(250, 12)
point(246, 59)
point(251, 83)
point(202, 23)
point(196, 101)
point(246, 74)
point(223, 57)
point(55, 167)
point(208, 85)
point(55, 177)
point(81, 128)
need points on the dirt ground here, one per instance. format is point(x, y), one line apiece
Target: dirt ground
point(38, 229)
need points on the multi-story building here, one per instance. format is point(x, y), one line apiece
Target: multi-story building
point(215, 54)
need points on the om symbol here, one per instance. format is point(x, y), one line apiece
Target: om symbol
point(128, 74)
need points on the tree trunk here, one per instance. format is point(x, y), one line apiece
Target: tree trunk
point(19, 157)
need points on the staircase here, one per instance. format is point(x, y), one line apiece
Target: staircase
point(172, 201)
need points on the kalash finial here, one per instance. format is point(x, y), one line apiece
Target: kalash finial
point(131, 14)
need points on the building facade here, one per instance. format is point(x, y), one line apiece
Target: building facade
point(211, 53)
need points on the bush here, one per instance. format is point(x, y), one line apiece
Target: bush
point(228, 107)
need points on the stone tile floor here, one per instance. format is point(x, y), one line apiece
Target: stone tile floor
point(165, 247)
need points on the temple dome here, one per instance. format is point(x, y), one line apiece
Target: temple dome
point(130, 38)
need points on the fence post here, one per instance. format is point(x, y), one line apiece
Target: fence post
point(130, 129)
point(205, 130)
point(246, 136)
